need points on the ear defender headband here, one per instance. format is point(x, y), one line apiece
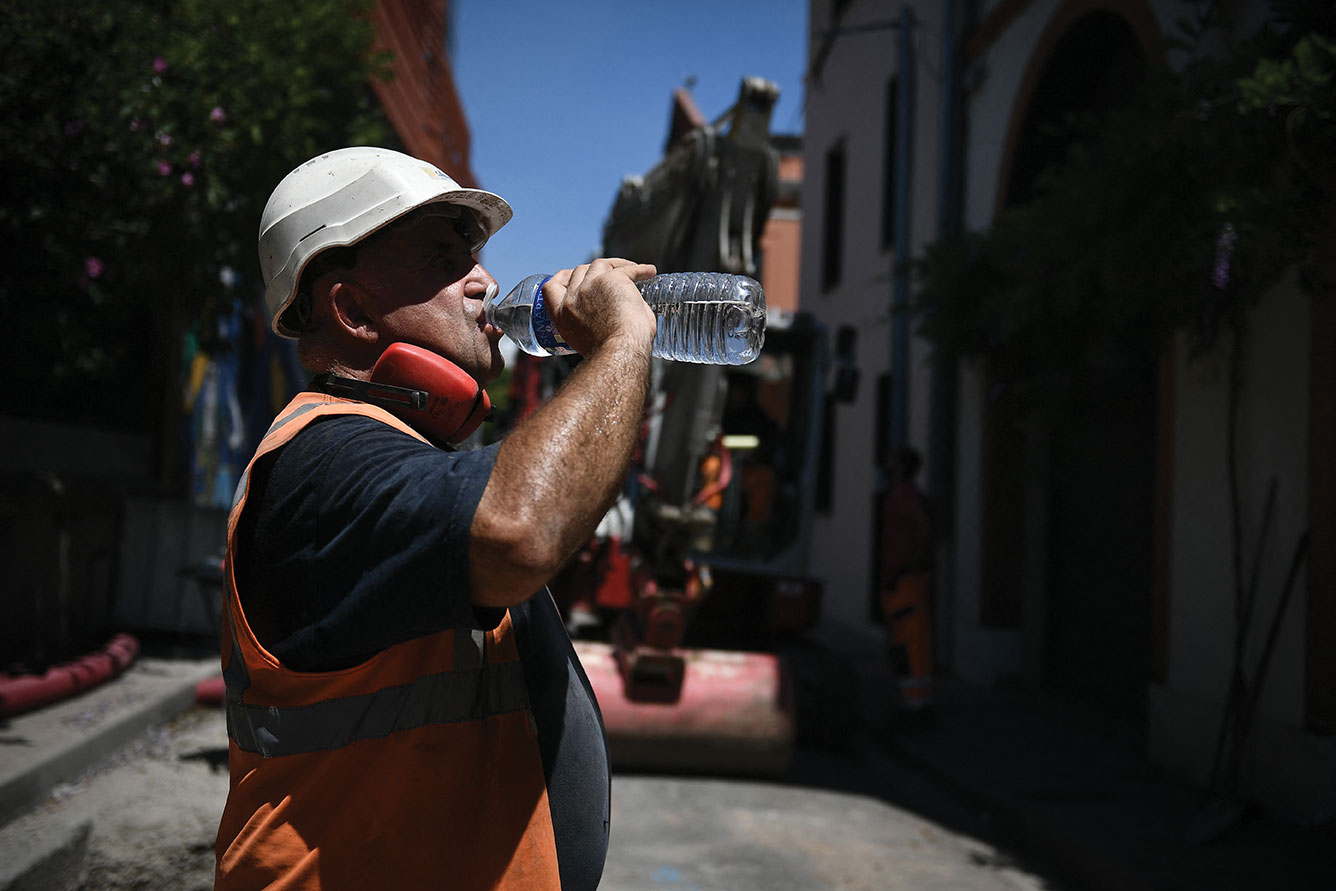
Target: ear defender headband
point(423, 389)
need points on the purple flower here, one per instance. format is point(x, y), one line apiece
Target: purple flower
point(187, 179)
point(93, 267)
point(1224, 251)
point(164, 138)
point(217, 115)
point(134, 124)
point(194, 158)
point(159, 65)
point(164, 169)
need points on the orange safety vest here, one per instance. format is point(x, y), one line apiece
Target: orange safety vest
point(419, 768)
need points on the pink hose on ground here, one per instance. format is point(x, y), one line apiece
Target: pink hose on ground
point(27, 692)
point(211, 691)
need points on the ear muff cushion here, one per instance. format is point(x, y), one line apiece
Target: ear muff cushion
point(456, 404)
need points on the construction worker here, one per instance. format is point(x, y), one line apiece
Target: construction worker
point(906, 587)
point(404, 711)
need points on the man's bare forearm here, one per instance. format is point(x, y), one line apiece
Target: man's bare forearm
point(558, 473)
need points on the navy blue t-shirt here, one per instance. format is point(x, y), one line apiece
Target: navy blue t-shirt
point(361, 534)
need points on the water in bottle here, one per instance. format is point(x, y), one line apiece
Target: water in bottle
point(707, 317)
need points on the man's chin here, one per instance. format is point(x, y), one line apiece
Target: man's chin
point(498, 363)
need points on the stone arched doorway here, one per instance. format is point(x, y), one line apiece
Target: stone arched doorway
point(1069, 496)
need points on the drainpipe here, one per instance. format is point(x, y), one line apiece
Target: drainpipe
point(941, 455)
point(900, 268)
point(944, 386)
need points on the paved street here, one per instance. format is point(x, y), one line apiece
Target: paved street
point(695, 835)
point(146, 817)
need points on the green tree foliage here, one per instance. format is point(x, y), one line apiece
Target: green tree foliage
point(1175, 211)
point(138, 144)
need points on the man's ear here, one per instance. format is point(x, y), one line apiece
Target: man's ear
point(351, 310)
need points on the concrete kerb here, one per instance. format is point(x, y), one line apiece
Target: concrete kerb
point(42, 749)
point(48, 861)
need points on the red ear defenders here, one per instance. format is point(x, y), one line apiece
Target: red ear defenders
point(423, 389)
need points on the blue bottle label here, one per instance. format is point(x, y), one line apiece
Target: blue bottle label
point(544, 332)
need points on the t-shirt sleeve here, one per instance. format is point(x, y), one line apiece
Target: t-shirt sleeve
point(361, 541)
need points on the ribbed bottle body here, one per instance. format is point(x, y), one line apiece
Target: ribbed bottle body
point(707, 317)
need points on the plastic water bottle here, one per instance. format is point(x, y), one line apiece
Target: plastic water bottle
point(707, 317)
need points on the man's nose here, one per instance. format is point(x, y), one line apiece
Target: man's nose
point(479, 282)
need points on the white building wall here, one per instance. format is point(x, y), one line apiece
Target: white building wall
point(1285, 767)
point(848, 101)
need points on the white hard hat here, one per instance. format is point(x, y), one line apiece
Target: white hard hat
point(342, 197)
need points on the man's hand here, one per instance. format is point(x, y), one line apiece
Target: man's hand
point(597, 302)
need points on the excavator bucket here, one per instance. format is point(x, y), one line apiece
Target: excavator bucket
point(732, 712)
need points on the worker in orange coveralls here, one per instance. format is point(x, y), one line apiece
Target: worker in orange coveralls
point(906, 586)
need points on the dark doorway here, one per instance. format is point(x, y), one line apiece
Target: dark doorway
point(1100, 546)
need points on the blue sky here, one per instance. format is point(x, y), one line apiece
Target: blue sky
point(564, 99)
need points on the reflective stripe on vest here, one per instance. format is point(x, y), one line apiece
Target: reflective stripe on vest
point(244, 480)
point(444, 698)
